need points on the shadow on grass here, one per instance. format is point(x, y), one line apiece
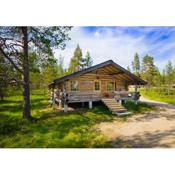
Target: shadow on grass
point(52, 128)
point(10, 126)
point(62, 122)
point(11, 109)
point(17, 105)
point(64, 131)
point(10, 101)
point(87, 116)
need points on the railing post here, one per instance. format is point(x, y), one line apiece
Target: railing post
point(135, 88)
point(60, 105)
point(90, 104)
point(64, 100)
point(65, 107)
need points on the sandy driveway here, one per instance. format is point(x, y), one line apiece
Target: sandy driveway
point(149, 130)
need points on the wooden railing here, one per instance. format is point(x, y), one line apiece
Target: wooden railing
point(83, 96)
point(118, 95)
point(87, 96)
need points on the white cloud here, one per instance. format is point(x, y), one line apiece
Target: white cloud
point(103, 45)
point(97, 34)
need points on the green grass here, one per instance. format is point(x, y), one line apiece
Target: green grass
point(158, 96)
point(52, 128)
point(139, 108)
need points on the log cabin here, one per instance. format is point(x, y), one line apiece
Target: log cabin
point(107, 82)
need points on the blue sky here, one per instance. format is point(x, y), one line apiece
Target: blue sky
point(121, 43)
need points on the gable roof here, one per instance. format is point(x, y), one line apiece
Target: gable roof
point(135, 79)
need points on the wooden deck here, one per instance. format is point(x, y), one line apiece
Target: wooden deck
point(89, 96)
point(111, 102)
point(74, 97)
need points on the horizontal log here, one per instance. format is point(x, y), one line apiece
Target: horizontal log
point(84, 100)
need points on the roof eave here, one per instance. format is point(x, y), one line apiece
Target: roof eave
point(136, 79)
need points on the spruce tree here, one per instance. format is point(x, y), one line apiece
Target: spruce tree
point(61, 70)
point(136, 65)
point(88, 60)
point(149, 70)
point(77, 61)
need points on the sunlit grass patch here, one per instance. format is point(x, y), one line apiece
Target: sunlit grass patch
point(138, 108)
point(54, 129)
point(157, 96)
point(51, 128)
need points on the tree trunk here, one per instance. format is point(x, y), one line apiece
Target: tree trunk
point(26, 86)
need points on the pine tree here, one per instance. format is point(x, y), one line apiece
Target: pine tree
point(88, 60)
point(72, 65)
point(128, 68)
point(49, 72)
point(163, 77)
point(169, 70)
point(157, 79)
point(3, 77)
point(9, 77)
point(61, 70)
point(77, 62)
point(149, 70)
point(16, 43)
point(136, 65)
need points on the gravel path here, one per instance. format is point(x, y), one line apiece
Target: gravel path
point(149, 130)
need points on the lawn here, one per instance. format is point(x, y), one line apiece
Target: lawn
point(52, 128)
point(159, 96)
point(140, 108)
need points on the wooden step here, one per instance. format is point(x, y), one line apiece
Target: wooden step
point(117, 109)
point(113, 103)
point(109, 99)
point(123, 113)
point(114, 106)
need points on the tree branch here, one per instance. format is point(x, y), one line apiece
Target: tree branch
point(17, 81)
point(16, 44)
point(9, 39)
point(10, 60)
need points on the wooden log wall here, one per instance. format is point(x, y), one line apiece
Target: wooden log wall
point(86, 83)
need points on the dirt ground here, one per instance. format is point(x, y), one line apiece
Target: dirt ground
point(155, 129)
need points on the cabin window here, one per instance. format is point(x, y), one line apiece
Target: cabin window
point(97, 85)
point(110, 86)
point(74, 85)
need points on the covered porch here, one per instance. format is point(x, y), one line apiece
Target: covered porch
point(74, 97)
point(65, 99)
